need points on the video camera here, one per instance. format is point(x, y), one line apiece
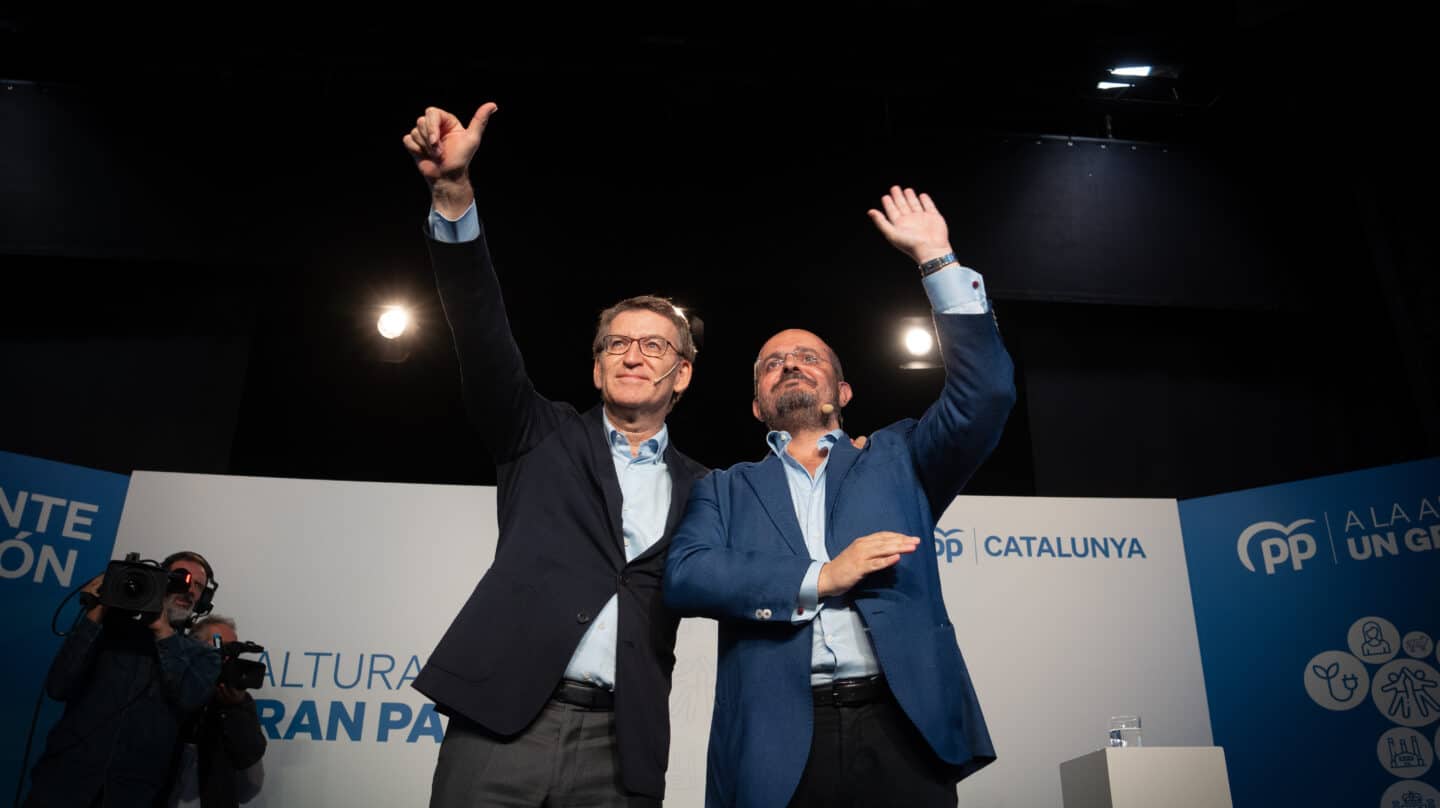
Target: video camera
point(241, 674)
point(139, 587)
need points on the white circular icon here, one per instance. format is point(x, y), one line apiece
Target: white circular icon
point(1374, 639)
point(1336, 680)
point(1418, 644)
point(1405, 752)
point(1407, 691)
point(1410, 794)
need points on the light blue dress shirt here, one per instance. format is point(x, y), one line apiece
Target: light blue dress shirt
point(840, 645)
point(466, 228)
point(645, 503)
point(644, 497)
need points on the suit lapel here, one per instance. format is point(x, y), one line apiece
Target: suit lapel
point(602, 469)
point(681, 479)
point(842, 458)
point(771, 488)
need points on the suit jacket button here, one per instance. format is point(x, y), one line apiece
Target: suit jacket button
point(759, 614)
point(582, 617)
point(624, 578)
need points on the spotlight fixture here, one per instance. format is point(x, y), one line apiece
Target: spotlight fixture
point(1136, 70)
point(918, 341)
point(1112, 85)
point(915, 348)
point(393, 322)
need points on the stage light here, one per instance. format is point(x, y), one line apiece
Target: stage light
point(918, 341)
point(1112, 85)
point(393, 322)
point(915, 344)
point(1137, 70)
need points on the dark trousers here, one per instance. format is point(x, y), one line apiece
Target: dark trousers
point(871, 756)
point(566, 758)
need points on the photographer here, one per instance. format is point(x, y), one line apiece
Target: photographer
point(220, 760)
point(128, 680)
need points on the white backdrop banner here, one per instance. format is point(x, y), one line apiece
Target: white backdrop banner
point(1068, 611)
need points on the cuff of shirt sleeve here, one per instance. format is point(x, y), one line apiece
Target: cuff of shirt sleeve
point(466, 228)
point(957, 289)
point(807, 605)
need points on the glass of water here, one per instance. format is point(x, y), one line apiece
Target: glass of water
point(1124, 730)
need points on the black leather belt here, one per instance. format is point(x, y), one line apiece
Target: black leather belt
point(584, 695)
point(851, 692)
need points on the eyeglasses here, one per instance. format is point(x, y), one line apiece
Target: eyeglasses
point(804, 356)
point(653, 347)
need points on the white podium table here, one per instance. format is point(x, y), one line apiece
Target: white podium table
point(1173, 776)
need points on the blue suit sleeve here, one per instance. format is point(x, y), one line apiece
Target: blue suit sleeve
point(959, 431)
point(706, 577)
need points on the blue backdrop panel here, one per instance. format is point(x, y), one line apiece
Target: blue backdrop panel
point(57, 530)
point(1317, 609)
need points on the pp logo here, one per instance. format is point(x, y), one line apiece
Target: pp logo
point(1297, 548)
point(948, 545)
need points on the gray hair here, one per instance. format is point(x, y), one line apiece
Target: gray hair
point(211, 619)
point(662, 306)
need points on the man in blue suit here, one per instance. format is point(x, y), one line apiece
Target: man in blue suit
point(839, 679)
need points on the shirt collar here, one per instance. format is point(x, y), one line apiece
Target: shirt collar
point(778, 439)
point(651, 451)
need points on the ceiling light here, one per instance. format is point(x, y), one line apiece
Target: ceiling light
point(393, 322)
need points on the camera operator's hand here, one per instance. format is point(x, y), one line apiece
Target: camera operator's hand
point(96, 613)
point(225, 694)
point(161, 626)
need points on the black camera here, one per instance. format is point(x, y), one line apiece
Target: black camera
point(140, 587)
point(241, 674)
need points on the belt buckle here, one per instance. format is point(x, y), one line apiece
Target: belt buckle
point(857, 691)
point(849, 694)
point(584, 694)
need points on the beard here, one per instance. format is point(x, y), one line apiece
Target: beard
point(175, 614)
point(794, 410)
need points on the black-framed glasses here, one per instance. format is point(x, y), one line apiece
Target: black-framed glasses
point(804, 356)
point(653, 347)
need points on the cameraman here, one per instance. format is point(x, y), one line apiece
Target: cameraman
point(127, 686)
point(220, 760)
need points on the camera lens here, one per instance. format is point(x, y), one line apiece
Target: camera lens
point(136, 587)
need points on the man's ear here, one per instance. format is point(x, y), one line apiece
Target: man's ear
point(755, 409)
point(682, 376)
point(845, 393)
point(596, 373)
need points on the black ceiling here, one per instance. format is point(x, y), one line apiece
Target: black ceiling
point(240, 178)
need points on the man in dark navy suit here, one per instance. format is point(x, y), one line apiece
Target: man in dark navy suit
point(839, 680)
point(556, 672)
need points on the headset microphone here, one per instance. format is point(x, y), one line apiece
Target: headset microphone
point(668, 372)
